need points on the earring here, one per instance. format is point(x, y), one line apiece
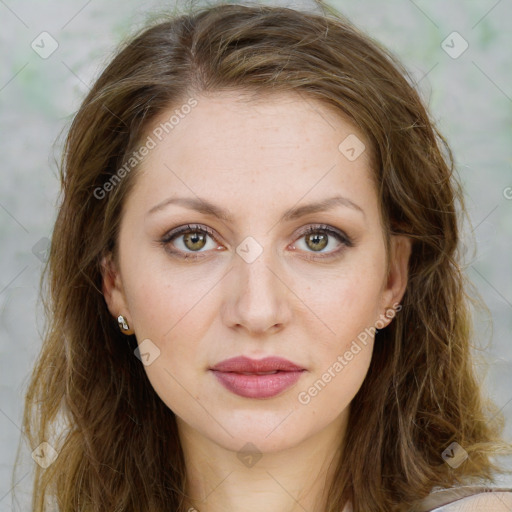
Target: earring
point(123, 325)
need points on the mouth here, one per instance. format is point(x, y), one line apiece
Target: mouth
point(266, 366)
point(258, 373)
point(259, 379)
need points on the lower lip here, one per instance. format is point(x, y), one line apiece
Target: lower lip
point(257, 386)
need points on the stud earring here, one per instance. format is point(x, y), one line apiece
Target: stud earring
point(123, 325)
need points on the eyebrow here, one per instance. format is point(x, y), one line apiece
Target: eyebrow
point(208, 208)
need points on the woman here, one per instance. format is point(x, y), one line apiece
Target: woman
point(255, 295)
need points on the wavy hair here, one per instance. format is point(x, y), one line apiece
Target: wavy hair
point(421, 392)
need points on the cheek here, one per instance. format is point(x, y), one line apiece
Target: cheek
point(348, 303)
point(174, 310)
point(167, 310)
point(347, 299)
point(162, 300)
point(341, 363)
point(330, 392)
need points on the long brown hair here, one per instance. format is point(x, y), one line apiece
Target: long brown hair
point(121, 451)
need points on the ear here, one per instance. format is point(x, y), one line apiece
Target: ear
point(112, 288)
point(400, 251)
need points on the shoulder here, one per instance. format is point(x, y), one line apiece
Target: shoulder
point(471, 500)
point(482, 502)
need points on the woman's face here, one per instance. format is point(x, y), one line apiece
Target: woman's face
point(254, 283)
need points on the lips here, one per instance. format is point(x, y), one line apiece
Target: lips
point(244, 364)
point(257, 378)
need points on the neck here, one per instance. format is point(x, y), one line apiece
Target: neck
point(289, 480)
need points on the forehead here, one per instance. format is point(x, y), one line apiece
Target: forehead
point(293, 117)
point(236, 147)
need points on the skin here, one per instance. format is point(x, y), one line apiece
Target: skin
point(256, 159)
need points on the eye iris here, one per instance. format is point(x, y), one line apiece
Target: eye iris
point(195, 238)
point(317, 238)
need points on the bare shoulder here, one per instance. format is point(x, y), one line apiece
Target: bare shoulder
point(481, 502)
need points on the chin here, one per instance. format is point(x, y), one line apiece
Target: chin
point(268, 432)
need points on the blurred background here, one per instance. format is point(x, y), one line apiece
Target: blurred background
point(458, 53)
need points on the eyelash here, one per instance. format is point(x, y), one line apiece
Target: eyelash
point(193, 228)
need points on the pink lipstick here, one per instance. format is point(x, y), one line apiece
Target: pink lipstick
point(257, 378)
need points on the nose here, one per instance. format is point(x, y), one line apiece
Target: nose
point(258, 299)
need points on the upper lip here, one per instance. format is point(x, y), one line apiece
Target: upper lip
point(244, 364)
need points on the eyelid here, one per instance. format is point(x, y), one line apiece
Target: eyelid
point(186, 229)
point(341, 236)
point(313, 228)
